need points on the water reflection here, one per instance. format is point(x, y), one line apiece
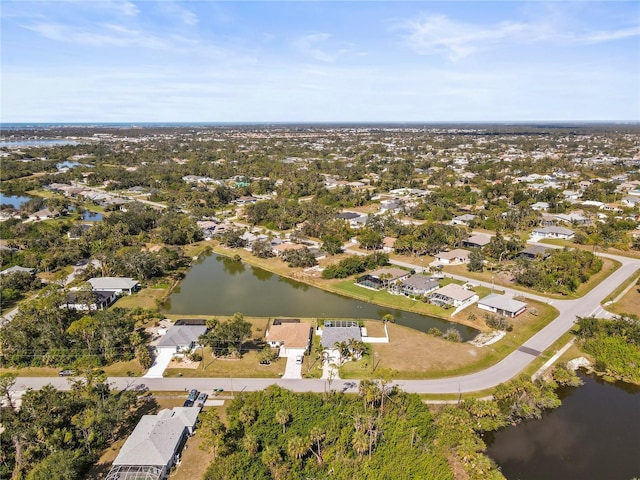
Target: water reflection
point(221, 286)
point(231, 266)
point(594, 434)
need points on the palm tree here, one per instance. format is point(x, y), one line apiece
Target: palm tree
point(360, 443)
point(283, 417)
point(250, 444)
point(316, 435)
point(297, 447)
point(247, 415)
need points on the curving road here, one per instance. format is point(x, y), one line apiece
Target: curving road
point(501, 372)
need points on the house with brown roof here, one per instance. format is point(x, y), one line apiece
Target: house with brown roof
point(289, 336)
point(453, 257)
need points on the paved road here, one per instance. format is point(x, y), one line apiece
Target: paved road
point(488, 378)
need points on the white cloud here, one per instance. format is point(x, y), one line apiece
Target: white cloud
point(316, 47)
point(440, 35)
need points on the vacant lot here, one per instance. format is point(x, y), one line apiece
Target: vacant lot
point(412, 354)
point(629, 303)
point(145, 298)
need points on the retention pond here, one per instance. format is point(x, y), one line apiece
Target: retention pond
point(218, 285)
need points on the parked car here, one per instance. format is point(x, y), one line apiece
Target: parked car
point(299, 359)
point(201, 399)
point(66, 373)
point(193, 394)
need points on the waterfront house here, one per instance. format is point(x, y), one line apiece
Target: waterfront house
point(418, 285)
point(290, 338)
point(119, 285)
point(335, 331)
point(382, 278)
point(181, 338)
point(502, 304)
point(453, 295)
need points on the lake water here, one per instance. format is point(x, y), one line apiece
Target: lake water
point(218, 285)
point(67, 164)
point(14, 200)
point(91, 216)
point(595, 434)
point(36, 143)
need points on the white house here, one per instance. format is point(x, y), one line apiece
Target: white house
point(454, 257)
point(453, 295)
point(181, 338)
point(118, 285)
point(155, 444)
point(553, 232)
point(502, 304)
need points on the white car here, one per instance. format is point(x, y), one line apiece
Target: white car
point(299, 359)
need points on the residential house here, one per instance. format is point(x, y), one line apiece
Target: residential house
point(465, 219)
point(453, 295)
point(575, 218)
point(418, 285)
point(631, 201)
point(355, 220)
point(181, 338)
point(478, 240)
point(502, 304)
point(534, 251)
point(17, 268)
point(89, 300)
point(453, 257)
point(382, 278)
point(388, 244)
point(291, 338)
point(44, 214)
point(155, 444)
point(119, 285)
point(285, 247)
point(552, 232)
point(540, 206)
point(339, 331)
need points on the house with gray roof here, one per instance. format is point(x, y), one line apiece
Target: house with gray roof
point(553, 232)
point(16, 269)
point(418, 285)
point(336, 333)
point(453, 295)
point(181, 338)
point(155, 444)
point(502, 304)
point(118, 285)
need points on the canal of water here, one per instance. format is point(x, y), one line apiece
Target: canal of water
point(218, 285)
point(594, 435)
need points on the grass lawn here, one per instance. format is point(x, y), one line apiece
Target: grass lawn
point(411, 354)
point(194, 460)
point(248, 366)
point(33, 371)
point(118, 369)
point(384, 298)
point(629, 303)
point(124, 369)
point(145, 298)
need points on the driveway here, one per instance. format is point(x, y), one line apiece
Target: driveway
point(293, 370)
point(161, 362)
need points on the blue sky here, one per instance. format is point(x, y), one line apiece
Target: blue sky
point(240, 61)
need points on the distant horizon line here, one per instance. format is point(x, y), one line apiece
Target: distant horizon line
point(332, 122)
